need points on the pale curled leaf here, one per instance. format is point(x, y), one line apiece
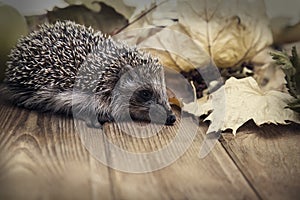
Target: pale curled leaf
point(173, 47)
point(94, 5)
point(140, 6)
point(270, 77)
point(199, 107)
point(160, 33)
point(90, 4)
point(244, 100)
point(34, 7)
point(228, 32)
point(130, 9)
point(231, 31)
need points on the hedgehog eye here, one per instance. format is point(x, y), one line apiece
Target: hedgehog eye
point(145, 94)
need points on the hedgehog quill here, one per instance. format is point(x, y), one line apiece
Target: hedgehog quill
point(66, 67)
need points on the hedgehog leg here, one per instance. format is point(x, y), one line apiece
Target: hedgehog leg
point(80, 104)
point(84, 106)
point(92, 122)
point(88, 108)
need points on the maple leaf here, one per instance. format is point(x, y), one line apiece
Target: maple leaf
point(245, 101)
point(227, 32)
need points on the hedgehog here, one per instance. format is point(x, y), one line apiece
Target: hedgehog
point(70, 68)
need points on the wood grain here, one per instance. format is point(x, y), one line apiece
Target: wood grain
point(214, 177)
point(269, 157)
point(42, 157)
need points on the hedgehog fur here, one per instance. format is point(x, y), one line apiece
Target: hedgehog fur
point(69, 68)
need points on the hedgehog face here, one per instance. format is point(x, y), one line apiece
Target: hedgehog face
point(147, 105)
point(143, 92)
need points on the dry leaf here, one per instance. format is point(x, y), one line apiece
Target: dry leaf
point(175, 49)
point(266, 73)
point(243, 101)
point(270, 77)
point(33, 7)
point(120, 7)
point(90, 4)
point(94, 5)
point(229, 32)
point(198, 107)
point(107, 20)
point(140, 6)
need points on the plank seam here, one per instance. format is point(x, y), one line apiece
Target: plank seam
point(244, 175)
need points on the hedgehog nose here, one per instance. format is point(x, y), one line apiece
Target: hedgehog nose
point(170, 119)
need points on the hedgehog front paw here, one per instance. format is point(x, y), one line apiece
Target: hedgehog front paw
point(93, 123)
point(105, 120)
point(97, 122)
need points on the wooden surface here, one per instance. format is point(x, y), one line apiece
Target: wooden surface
point(42, 157)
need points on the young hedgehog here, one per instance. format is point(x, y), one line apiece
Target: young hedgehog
point(69, 68)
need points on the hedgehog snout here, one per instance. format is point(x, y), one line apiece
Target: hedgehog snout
point(171, 119)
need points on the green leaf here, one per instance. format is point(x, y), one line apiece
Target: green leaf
point(295, 59)
point(290, 66)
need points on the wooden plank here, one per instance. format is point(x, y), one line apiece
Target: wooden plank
point(269, 157)
point(43, 158)
point(215, 177)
